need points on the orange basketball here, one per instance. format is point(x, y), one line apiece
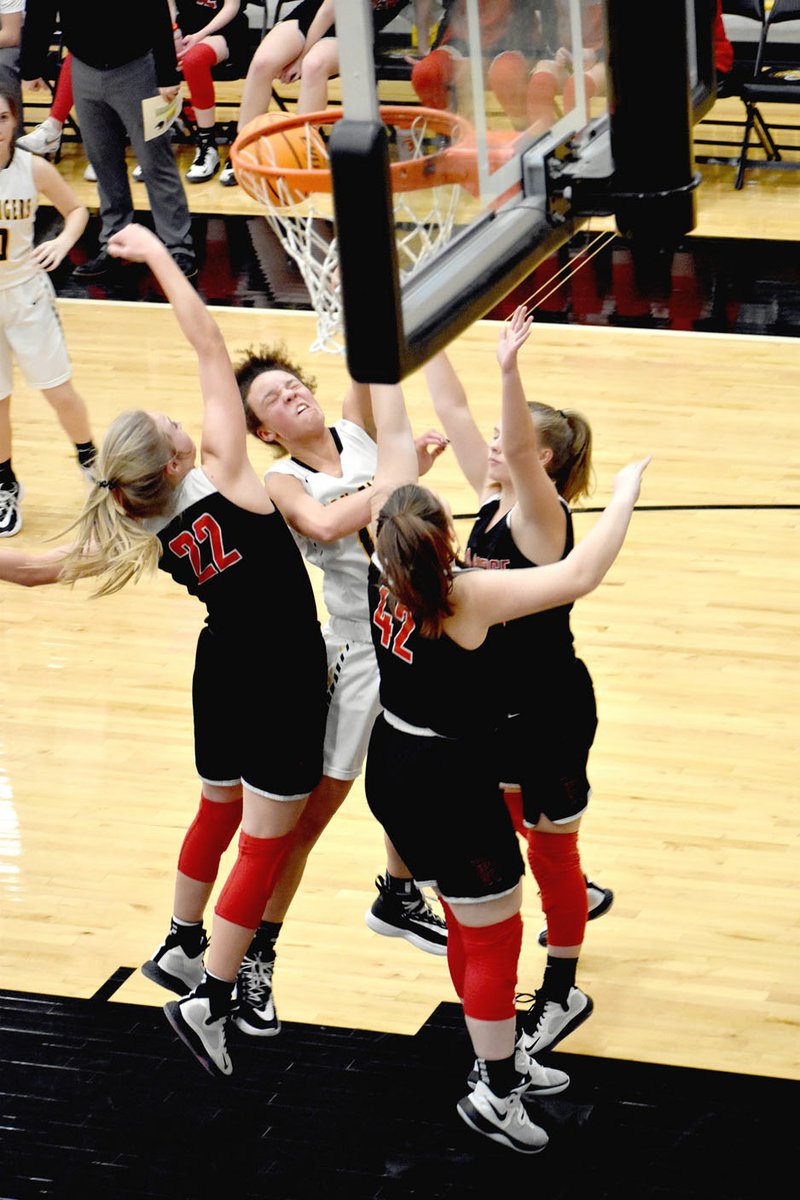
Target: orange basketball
point(299, 147)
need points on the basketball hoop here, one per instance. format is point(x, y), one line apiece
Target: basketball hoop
point(282, 162)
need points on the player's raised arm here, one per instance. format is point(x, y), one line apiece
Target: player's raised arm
point(452, 408)
point(538, 520)
point(397, 453)
point(493, 597)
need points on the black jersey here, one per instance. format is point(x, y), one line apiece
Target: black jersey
point(431, 683)
point(244, 566)
point(541, 644)
point(194, 15)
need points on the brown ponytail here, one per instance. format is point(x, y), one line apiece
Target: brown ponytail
point(417, 554)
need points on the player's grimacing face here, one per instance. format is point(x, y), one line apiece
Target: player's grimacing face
point(283, 404)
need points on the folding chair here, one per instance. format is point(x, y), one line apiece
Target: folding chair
point(776, 80)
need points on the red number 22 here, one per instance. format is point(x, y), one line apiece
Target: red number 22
point(205, 528)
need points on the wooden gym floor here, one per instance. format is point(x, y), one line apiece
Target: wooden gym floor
point(693, 645)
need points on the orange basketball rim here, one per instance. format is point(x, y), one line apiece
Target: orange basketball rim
point(427, 170)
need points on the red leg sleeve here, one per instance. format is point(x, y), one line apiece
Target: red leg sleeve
point(207, 839)
point(490, 978)
point(556, 865)
point(249, 886)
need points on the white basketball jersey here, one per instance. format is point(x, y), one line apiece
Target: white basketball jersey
point(344, 562)
point(19, 199)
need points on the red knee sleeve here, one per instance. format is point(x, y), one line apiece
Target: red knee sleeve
point(508, 79)
point(556, 865)
point(490, 975)
point(513, 799)
point(456, 960)
point(432, 78)
point(196, 67)
point(62, 101)
point(249, 886)
point(542, 88)
point(207, 839)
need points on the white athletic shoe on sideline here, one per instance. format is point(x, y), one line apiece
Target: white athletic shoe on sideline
point(44, 139)
point(89, 174)
point(503, 1119)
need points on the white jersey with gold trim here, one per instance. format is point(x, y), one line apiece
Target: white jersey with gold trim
point(345, 562)
point(19, 199)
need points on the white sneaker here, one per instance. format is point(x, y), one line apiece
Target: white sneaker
point(90, 175)
point(205, 164)
point(503, 1119)
point(253, 1002)
point(204, 1035)
point(171, 967)
point(548, 1021)
point(137, 173)
point(44, 139)
point(10, 514)
point(539, 1080)
point(227, 177)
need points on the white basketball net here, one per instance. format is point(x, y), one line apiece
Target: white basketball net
point(304, 223)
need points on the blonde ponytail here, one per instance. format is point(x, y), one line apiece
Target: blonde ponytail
point(109, 541)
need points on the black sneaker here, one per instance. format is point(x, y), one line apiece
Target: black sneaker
point(10, 512)
point(204, 1035)
point(548, 1022)
point(254, 1005)
point(599, 900)
point(172, 967)
point(410, 917)
point(95, 268)
point(186, 262)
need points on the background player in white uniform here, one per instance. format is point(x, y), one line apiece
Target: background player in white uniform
point(30, 330)
point(322, 489)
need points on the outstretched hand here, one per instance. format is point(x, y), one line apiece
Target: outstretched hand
point(134, 242)
point(629, 479)
point(429, 446)
point(513, 335)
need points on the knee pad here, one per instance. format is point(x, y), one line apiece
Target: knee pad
point(513, 802)
point(556, 865)
point(508, 79)
point(207, 839)
point(541, 97)
point(249, 886)
point(456, 959)
point(196, 67)
point(432, 78)
point(490, 975)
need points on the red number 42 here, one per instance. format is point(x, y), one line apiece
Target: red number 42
point(383, 619)
point(205, 528)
